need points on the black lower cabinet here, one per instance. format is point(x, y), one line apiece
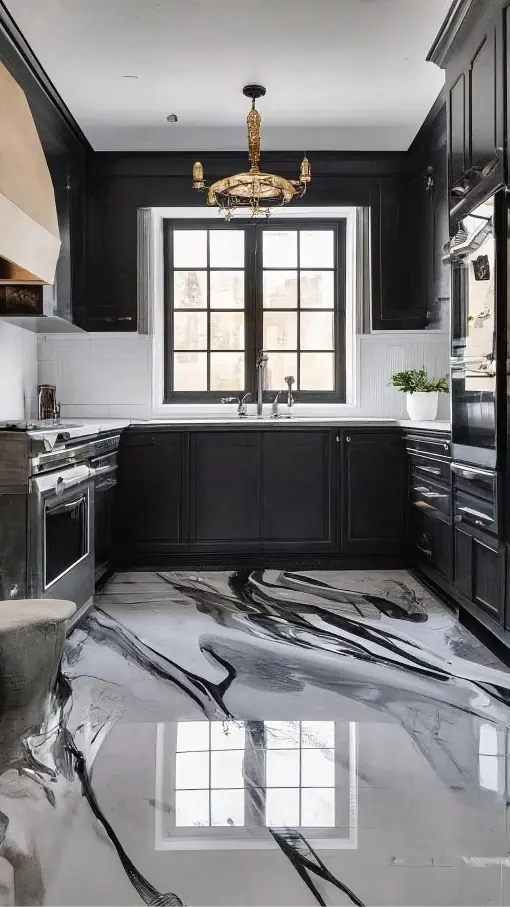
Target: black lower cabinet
point(297, 493)
point(213, 497)
point(480, 572)
point(430, 544)
point(225, 489)
point(373, 470)
point(150, 492)
point(104, 497)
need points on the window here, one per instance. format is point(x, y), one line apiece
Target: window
point(491, 759)
point(255, 773)
point(235, 289)
point(220, 784)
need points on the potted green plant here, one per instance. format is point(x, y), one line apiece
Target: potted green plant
point(422, 392)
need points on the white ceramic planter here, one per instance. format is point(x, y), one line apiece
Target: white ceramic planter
point(422, 407)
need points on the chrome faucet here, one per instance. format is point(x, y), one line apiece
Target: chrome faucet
point(262, 360)
point(274, 408)
point(242, 409)
point(289, 381)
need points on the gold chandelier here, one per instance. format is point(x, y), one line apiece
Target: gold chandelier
point(254, 189)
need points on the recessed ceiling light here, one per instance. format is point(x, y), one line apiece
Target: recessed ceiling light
point(172, 118)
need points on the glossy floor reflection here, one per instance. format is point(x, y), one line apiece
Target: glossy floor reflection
point(275, 738)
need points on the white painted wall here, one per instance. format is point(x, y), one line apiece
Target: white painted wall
point(18, 372)
point(110, 374)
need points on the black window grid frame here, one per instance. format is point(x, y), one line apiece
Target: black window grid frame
point(253, 309)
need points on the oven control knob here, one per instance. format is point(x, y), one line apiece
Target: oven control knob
point(59, 487)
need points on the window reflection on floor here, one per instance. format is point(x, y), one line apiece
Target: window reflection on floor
point(276, 773)
point(491, 759)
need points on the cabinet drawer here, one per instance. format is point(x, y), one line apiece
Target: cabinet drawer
point(429, 498)
point(480, 482)
point(423, 467)
point(435, 447)
point(478, 513)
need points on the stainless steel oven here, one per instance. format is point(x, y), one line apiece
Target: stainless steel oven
point(478, 351)
point(61, 532)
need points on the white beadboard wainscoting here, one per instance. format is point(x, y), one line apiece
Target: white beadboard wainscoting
point(18, 372)
point(110, 374)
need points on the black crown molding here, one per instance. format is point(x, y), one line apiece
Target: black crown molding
point(450, 27)
point(17, 55)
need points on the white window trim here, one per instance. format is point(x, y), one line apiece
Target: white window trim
point(244, 841)
point(154, 318)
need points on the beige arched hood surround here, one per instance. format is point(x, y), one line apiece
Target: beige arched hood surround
point(29, 234)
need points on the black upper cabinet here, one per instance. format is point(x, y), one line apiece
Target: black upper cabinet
point(120, 183)
point(374, 485)
point(150, 498)
point(483, 106)
point(225, 488)
point(475, 92)
point(297, 493)
point(426, 227)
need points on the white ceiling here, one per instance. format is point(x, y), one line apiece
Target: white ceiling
point(340, 74)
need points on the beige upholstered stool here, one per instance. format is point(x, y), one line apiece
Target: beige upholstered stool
point(32, 634)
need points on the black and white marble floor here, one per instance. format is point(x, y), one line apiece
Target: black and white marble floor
point(264, 739)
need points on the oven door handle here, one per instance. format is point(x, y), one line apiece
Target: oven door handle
point(67, 506)
point(103, 470)
point(104, 484)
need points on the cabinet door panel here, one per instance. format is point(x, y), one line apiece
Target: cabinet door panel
point(374, 477)
point(480, 572)
point(430, 542)
point(225, 488)
point(149, 490)
point(296, 502)
point(463, 580)
point(488, 582)
point(457, 129)
point(482, 79)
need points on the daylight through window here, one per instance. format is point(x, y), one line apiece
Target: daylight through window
point(232, 290)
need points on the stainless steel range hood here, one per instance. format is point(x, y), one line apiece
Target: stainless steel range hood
point(29, 233)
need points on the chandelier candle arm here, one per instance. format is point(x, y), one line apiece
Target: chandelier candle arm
point(253, 121)
point(253, 189)
point(198, 175)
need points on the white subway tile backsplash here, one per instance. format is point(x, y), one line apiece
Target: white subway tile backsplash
point(119, 381)
point(84, 411)
point(76, 382)
point(130, 411)
point(135, 347)
point(64, 350)
point(50, 372)
point(109, 374)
